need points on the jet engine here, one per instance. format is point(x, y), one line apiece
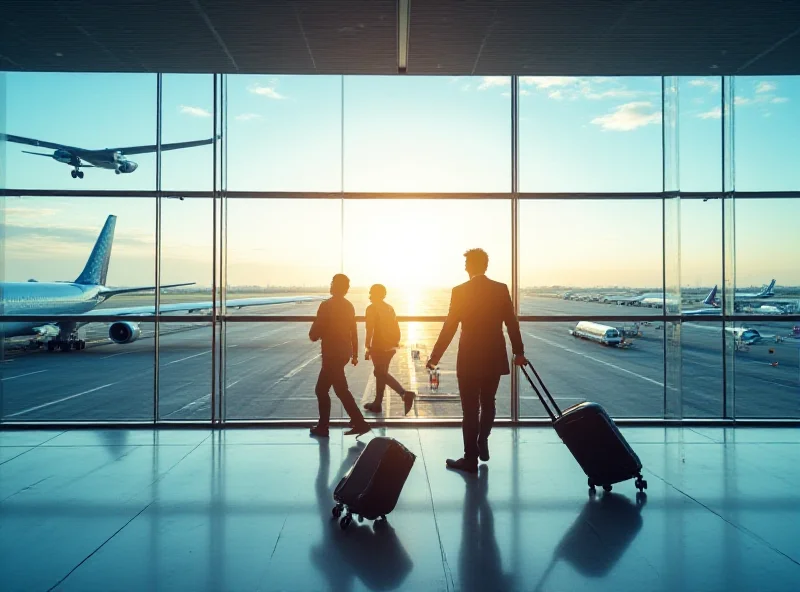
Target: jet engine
point(124, 332)
point(127, 166)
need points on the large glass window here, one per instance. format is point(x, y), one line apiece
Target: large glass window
point(415, 248)
point(81, 129)
point(284, 133)
point(302, 167)
point(590, 257)
point(766, 127)
point(427, 134)
point(590, 134)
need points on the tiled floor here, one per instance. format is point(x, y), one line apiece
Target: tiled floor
point(250, 510)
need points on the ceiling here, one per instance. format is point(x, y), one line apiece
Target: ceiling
point(456, 37)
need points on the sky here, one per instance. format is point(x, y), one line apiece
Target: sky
point(402, 134)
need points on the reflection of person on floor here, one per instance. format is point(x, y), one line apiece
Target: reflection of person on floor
point(371, 553)
point(381, 342)
point(479, 564)
point(335, 325)
point(481, 306)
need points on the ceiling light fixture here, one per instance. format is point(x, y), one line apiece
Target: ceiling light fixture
point(403, 23)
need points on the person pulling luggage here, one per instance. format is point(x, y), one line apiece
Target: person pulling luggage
point(481, 306)
point(382, 341)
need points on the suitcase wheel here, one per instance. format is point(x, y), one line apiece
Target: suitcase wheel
point(337, 511)
point(641, 484)
point(360, 519)
point(592, 491)
point(345, 521)
point(607, 488)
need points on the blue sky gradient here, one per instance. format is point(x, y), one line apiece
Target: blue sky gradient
point(402, 134)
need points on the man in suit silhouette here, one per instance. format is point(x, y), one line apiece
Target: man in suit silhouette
point(481, 306)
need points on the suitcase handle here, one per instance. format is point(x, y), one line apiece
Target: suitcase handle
point(544, 388)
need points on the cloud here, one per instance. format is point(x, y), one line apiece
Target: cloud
point(549, 81)
point(765, 87)
point(714, 113)
point(614, 93)
point(628, 117)
point(194, 111)
point(741, 101)
point(466, 87)
point(524, 92)
point(780, 100)
point(32, 234)
point(711, 85)
point(248, 117)
point(558, 95)
point(29, 212)
point(494, 81)
point(266, 91)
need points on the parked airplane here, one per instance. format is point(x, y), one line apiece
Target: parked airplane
point(766, 292)
point(656, 299)
point(108, 158)
point(710, 300)
point(81, 297)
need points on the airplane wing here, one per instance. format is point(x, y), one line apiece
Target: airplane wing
point(190, 307)
point(153, 148)
point(34, 142)
point(109, 292)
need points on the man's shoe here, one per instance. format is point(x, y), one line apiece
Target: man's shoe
point(462, 464)
point(408, 400)
point(374, 406)
point(483, 450)
point(320, 431)
point(358, 430)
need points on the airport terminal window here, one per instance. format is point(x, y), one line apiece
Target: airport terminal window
point(590, 134)
point(284, 133)
point(282, 248)
point(577, 257)
point(187, 117)
point(581, 366)
point(415, 247)
point(766, 127)
point(427, 134)
point(88, 127)
point(570, 263)
point(700, 133)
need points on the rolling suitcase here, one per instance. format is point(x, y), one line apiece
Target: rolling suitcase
point(593, 439)
point(371, 487)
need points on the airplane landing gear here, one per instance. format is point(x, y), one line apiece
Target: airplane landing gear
point(66, 344)
point(77, 174)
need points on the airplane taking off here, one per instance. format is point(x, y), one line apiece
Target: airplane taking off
point(81, 297)
point(108, 158)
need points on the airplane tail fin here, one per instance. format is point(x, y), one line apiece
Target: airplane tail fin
point(768, 289)
point(96, 270)
point(711, 298)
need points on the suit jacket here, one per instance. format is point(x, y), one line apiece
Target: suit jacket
point(481, 306)
point(335, 324)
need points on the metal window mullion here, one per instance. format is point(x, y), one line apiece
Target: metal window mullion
point(157, 328)
point(515, 231)
point(214, 311)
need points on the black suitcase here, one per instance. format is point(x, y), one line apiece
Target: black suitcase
point(593, 439)
point(371, 487)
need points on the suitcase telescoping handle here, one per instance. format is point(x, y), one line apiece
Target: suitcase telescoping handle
point(538, 392)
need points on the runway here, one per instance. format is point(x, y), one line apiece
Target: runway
point(271, 368)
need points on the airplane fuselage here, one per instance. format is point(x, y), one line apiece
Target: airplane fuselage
point(42, 299)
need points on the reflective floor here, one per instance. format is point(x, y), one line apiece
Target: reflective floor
point(251, 510)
